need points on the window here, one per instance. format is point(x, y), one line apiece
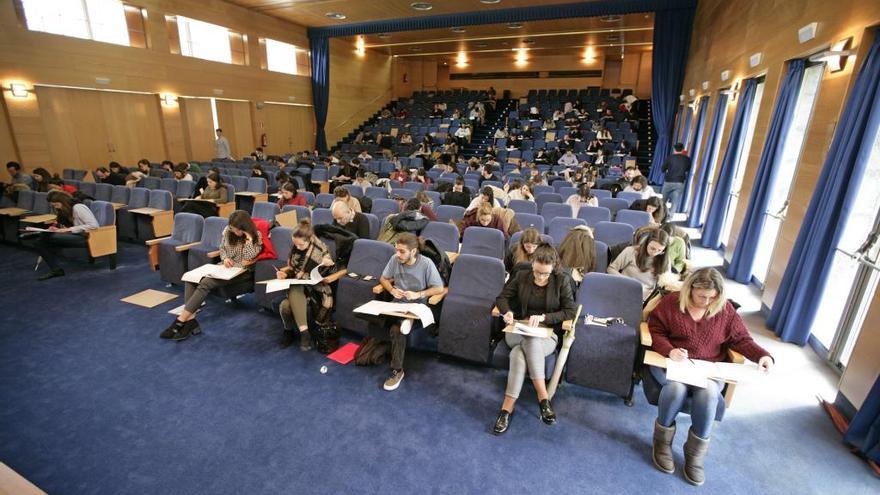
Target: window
point(99, 20)
point(203, 40)
point(280, 57)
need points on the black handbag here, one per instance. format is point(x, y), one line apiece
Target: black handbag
point(325, 337)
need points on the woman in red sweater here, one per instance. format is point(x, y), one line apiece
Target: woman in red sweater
point(696, 323)
point(484, 216)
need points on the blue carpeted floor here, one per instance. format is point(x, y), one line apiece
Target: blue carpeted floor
point(92, 401)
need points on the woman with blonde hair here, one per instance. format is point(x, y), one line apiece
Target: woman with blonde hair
point(696, 323)
point(577, 252)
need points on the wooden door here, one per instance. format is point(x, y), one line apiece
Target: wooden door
point(234, 117)
point(198, 128)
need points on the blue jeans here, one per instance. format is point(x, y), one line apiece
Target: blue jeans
point(673, 395)
point(672, 192)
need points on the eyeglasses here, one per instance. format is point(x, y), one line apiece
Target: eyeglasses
point(541, 274)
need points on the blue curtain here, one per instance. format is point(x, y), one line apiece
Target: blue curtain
point(679, 120)
point(707, 164)
point(724, 185)
point(320, 59)
point(693, 151)
point(864, 429)
point(809, 267)
point(672, 38)
point(740, 268)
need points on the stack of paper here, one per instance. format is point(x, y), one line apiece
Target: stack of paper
point(420, 311)
point(213, 271)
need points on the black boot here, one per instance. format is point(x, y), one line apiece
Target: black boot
point(287, 338)
point(191, 327)
point(172, 329)
point(502, 423)
point(547, 414)
point(305, 340)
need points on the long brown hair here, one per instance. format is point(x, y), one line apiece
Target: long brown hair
point(65, 213)
point(578, 250)
point(659, 263)
point(529, 236)
point(241, 220)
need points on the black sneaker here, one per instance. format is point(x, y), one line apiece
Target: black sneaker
point(52, 274)
point(547, 414)
point(175, 327)
point(305, 341)
point(191, 327)
point(502, 423)
point(287, 338)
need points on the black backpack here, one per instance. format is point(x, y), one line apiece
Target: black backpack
point(343, 239)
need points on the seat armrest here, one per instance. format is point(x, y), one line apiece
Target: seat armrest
point(214, 254)
point(333, 277)
point(496, 311)
point(437, 298)
point(452, 256)
point(645, 334)
point(157, 240)
point(735, 357)
point(186, 247)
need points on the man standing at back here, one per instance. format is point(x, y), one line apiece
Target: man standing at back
point(675, 170)
point(221, 147)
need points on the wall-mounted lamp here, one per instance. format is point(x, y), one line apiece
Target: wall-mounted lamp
point(169, 100)
point(705, 85)
point(692, 105)
point(731, 92)
point(836, 57)
point(360, 46)
point(461, 60)
point(725, 75)
point(218, 92)
point(680, 97)
point(589, 55)
point(692, 92)
point(807, 32)
point(521, 57)
point(18, 90)
point(755, 59)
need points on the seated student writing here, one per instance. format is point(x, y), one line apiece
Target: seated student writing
point(289, 195)
point(240, 245)
point(520, 253)
point(644, 262)
point(214, 191)
point(308, 252)
point(484, 216)
point(577, 252)
point(71, 230)
point(409, 277)
point(584, 197)
point(543, 296)
point(696, 323)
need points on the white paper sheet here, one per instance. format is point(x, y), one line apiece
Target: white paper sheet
point(275, 285)
point(524, 329)
point(687, 372)
point(422, 312)
point(213, 271)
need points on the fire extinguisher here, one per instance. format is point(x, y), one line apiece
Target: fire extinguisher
point(264, 140)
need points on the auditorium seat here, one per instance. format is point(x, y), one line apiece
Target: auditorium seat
point(483, 241)
point(445, 213)
point(125, 220)
point(282, 242)
point(635, 218)
point(523, 206)
point(208, 249)
point(613, 204)
point(560, 226)
point(466, 320)
point(444, 234)
point(555, 210)
point(613, 233)
point(368, 258)
point(172, 250)
point(266, 211)
point(594, 214)
point(629, 196)
point(526, 220)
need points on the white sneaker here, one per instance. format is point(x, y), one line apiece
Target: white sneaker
point(394, 380)
point(406, 327)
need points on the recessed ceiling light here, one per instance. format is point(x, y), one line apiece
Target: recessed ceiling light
point(384, 36)
point(480, 45)
point(514, 25)
point(415, 49)
point(490, 2)
point(457, 29)
point(528, 42)
point(335, 15)
point(504, 43)
point(421, 6)
point(610, 18)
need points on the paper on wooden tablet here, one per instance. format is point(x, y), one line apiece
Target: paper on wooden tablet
point(149, 298)
point(404, 310)
point(697, 372)
point(275, 285)
point(286, 219)
point(523, 329)
point(36, 229)
point(213, 271)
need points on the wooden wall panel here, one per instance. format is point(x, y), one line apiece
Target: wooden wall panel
point(172, 132)
point(725, 35)
point(234, 118)
point(134, 126)
point(198, 128)
point(643, 87)
point(302, 125)
point(359, 86)
point(629, 70)
point(276, 121)
point(8, 150)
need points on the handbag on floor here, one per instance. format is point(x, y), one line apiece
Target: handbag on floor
point(372, 352)
point(325, 337)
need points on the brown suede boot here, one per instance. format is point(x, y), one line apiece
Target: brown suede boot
point(694, 451)
point(662, 452)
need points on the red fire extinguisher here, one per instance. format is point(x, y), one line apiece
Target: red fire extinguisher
point(264, 140)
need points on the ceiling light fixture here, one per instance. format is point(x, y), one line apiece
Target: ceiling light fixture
point(383, 36)
point(360, 46)
point(610, 18)
point(18, 90)
point(415, 49)
point(514, 25)
point(335, 15)
point(521, 56)
point(836, 57)
point(461, 61)
point(490, 2)
point(528, 42)
point(589, 55)
point(480, 45)
point(421, 6)
point(457, 29)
